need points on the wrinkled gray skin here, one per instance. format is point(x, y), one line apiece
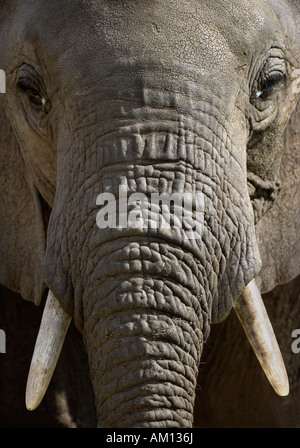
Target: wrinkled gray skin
point(172, 96)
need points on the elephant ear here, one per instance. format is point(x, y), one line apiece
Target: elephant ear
point(278, 232)
point(22, 221)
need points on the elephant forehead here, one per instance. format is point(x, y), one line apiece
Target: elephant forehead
point(88, 36)
point(190, 28)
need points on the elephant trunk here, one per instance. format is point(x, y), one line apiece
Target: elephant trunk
point(144, 298)
point(144, 338)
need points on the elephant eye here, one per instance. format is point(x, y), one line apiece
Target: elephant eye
point(32, 91)
point(269, 85)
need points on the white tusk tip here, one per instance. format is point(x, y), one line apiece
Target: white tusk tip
point(253, 316)
point(53, 329)
point(32, 402)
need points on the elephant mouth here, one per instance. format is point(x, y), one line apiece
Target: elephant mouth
point(262, 194)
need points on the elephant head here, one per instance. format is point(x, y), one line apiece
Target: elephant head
point(166, 97)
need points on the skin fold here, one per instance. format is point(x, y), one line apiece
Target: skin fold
point(168, 97)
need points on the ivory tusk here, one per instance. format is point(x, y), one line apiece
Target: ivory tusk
point(253, 316)
point(50, 339)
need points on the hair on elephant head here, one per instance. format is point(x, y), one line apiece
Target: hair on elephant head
point(110, 109)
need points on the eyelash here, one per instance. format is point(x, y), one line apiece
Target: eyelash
point(268, 85)
point(32, 91)
point(265, 86)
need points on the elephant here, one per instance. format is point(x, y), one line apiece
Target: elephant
point(198, 99)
